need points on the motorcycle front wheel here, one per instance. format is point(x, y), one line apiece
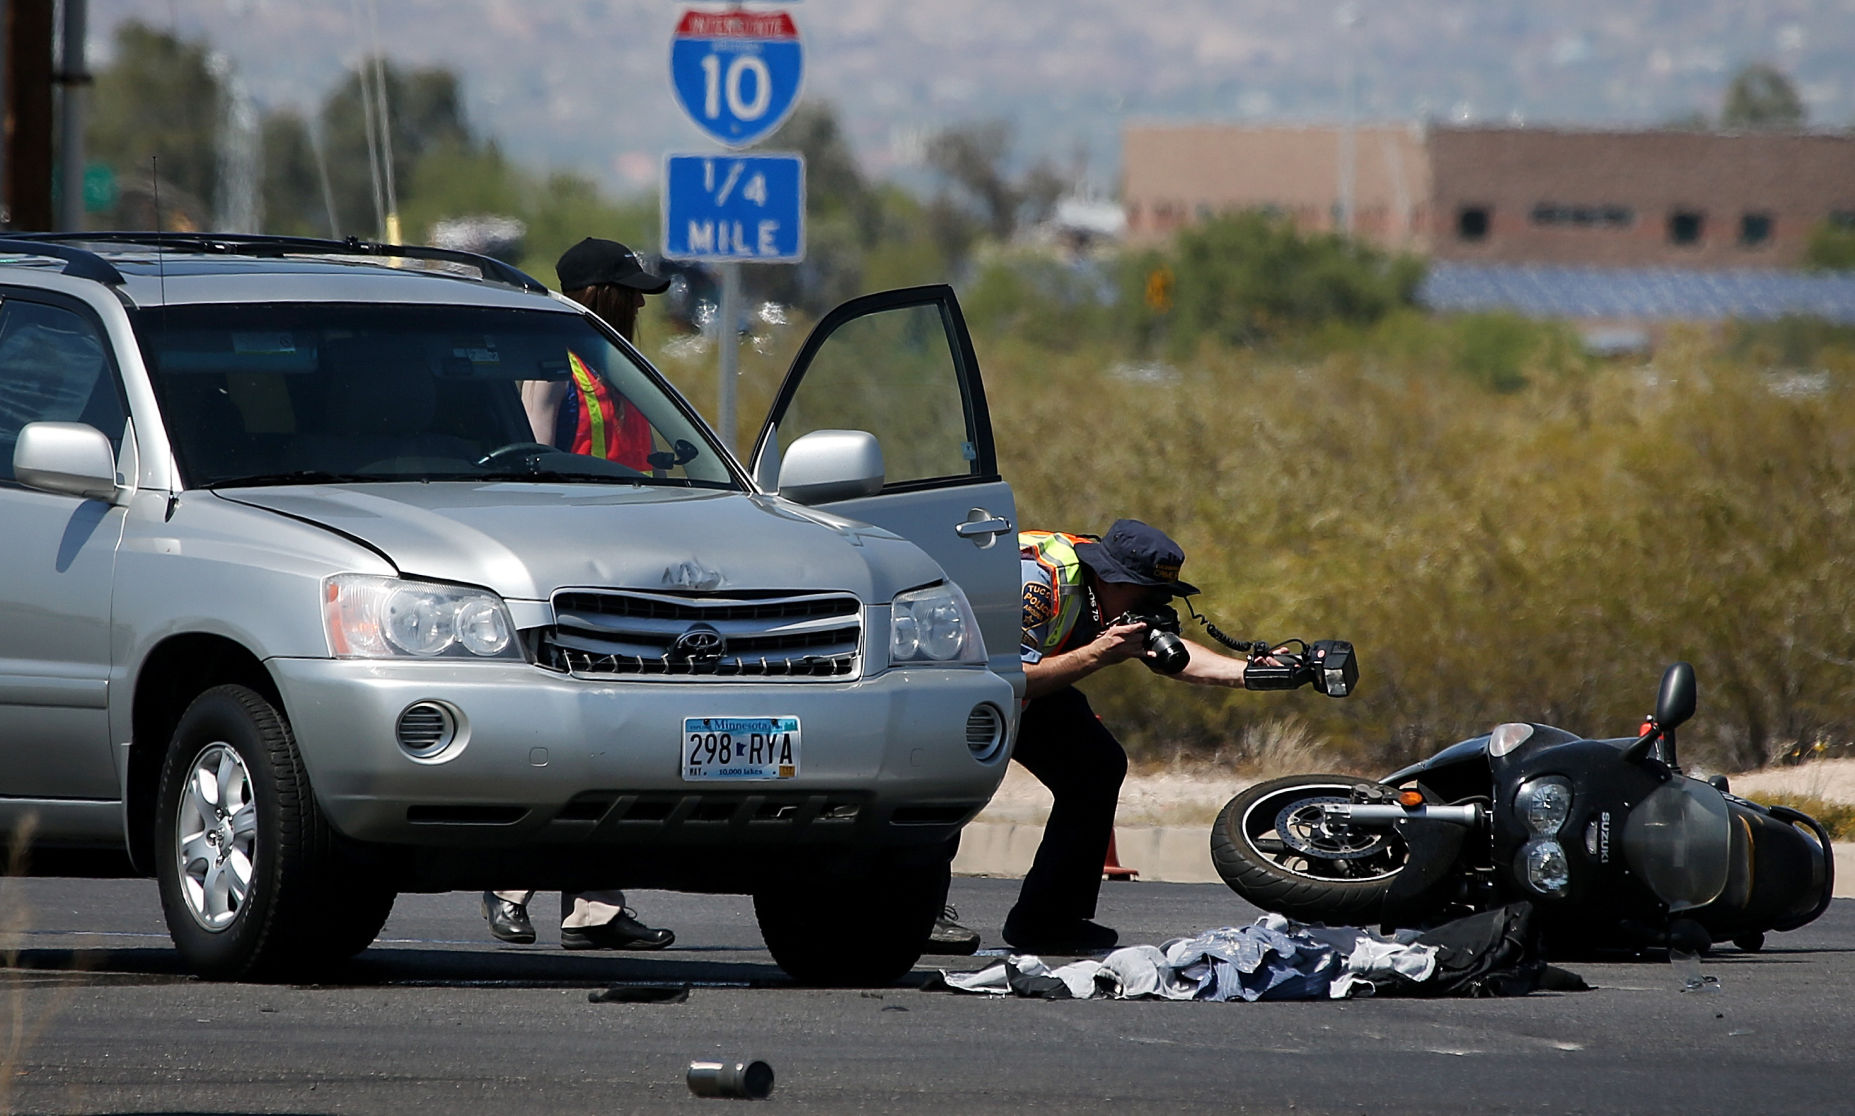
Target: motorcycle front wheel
point(1275, 847)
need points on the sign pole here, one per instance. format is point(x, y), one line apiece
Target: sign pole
point(737, 73)
point(729, 343)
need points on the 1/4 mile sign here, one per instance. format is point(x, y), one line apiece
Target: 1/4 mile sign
point(734, 208)
point(737, 73)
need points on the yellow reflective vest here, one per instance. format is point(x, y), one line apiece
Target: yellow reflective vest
point(1053, 591)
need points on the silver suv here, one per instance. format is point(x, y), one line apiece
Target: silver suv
point(297, 614)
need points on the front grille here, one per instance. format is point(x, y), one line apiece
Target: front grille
point(620, 633)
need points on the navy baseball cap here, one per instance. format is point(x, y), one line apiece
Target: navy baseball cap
point(593, 261)
point(1132, 553)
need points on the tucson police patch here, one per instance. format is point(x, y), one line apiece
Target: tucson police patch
point(1039, 604)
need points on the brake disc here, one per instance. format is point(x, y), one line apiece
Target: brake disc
point(1304, 827)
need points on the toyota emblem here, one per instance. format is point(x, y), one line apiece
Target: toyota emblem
point(700, 644)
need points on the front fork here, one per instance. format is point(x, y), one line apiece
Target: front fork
point(1468, 815)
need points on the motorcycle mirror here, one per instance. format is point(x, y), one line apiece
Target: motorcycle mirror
point(1675, 703)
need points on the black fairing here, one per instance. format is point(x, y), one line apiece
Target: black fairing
point(1782, 868)
point(1605, 788)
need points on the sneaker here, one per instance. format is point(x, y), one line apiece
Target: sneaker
point(1071, 937)
point(623, 932)
point(508, 921)
point(950, 937)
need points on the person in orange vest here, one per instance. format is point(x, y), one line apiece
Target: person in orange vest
point(583, 414)
point(1076, 590)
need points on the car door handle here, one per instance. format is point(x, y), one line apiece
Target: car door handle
point(987, 527)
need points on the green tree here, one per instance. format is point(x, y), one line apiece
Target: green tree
point(843, 216)
point(1761, 96)
point(1832, 247)
point(1252, 277)
point(158, 100)
point(424, 111)
point(981, 193)
point(291, 187)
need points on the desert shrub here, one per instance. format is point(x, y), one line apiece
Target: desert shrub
point(1060, 305)
point(1831, 247)
point(1493, 349)
point(1793, 342)
point(1540, 554)
point(1251, 277)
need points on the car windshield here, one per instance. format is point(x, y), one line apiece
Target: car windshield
point(294, 393)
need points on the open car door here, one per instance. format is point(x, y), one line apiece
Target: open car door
point(899, 365)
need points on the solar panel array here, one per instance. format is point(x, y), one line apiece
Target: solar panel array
point(1659, 294)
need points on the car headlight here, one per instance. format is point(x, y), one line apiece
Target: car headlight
point(1544, 804)
point(934, 625)
point(387, 617)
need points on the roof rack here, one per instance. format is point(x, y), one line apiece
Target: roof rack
point(79, 264)
point(55, 244)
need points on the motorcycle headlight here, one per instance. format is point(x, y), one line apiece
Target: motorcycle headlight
point(1544, 804)
point(1544, 866)
point(370, 617)
point(934, 625)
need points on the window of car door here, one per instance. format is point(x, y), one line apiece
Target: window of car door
point(894, 373)
point(55, 366)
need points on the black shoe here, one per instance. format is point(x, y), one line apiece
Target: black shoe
point(508, 921)
point(1075, 936)
point(950, 937)
point(623, 932)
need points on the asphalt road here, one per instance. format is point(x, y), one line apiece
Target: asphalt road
point(437, 1017)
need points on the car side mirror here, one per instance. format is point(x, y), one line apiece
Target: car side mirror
point(67, 457)
point(828, 465)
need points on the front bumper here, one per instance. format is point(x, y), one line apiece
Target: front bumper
point(543, 759)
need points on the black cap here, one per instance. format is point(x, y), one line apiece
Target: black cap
point(1131, 553)
point(593, 261)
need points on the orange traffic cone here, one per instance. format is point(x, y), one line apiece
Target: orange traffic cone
point(1112, 869)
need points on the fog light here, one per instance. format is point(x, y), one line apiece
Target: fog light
point(985, 731)
point(425, 729)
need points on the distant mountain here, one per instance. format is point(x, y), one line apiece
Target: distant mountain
point(583, 84)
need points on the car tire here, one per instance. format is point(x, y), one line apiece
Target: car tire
point(247, 868)
point(865, 930)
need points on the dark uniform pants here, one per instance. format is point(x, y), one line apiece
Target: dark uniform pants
point(1071, 752)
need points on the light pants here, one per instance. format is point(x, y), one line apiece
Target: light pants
point(578, 909)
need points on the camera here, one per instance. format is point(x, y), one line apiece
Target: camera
point(1166, 653)
point(1328, 665)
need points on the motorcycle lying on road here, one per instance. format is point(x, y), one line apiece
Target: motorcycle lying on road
point(1614, 846)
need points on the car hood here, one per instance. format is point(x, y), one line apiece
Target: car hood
point(524, 541)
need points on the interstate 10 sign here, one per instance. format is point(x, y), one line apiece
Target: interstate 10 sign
point(736, 73)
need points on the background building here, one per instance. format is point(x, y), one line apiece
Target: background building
point(1705, 200)
point(1172, 175)
point(1687, 199)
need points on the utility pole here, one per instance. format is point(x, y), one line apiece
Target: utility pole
point(73, 79)
point(28, 26)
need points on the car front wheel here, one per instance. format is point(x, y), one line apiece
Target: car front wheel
point(246, 864)
point(861, 930)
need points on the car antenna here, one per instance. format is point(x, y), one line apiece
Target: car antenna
point(154, 172)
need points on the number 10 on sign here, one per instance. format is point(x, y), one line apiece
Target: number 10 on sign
point(736, 73)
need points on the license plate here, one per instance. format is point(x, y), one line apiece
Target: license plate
point(728, 748)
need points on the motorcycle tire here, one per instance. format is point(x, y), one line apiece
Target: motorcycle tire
point(1268, 849)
